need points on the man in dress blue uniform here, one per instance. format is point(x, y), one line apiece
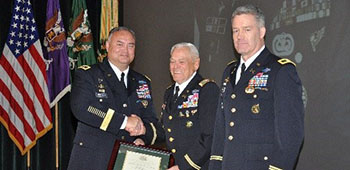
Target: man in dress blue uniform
point(188, 111)
point(111, 102)
point(260, 115)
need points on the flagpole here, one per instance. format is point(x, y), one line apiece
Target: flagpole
point(56, 133)
point(28, 159)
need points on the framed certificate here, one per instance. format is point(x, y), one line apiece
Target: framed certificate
point(127, 156)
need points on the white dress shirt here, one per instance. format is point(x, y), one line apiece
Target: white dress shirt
point(247, 63)
point(119, 75)
point(183, 85)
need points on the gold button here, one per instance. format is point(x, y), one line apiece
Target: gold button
point(123, 137)
point(230, 137)
point(125, 105)
point(81, 143)
point(170, 117)
point(169, 130)
point(266, 158)
point(232, 124)
point(255, 96)
point(171, 139)
point(233, 96)
point(173, 150)
point(233, 110)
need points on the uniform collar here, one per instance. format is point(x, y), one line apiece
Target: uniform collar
point(251, 59)
point(119, 73)
point(247, 63)
point(184, 84)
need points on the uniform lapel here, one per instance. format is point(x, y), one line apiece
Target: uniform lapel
point(233, 73)
point(169, 97)
point(132, 84)
point(112, 79)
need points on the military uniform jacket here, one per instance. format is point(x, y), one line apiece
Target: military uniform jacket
point(260, 120)
point(100, 102)
point(189, 122)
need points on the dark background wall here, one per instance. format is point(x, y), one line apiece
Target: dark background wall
point(314, 34)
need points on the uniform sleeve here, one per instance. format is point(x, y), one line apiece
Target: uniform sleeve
point(157, 136)
point(199, 152)
point(289, 118)
point(88, 109)
point(217, 148)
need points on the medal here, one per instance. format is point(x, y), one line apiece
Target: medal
point(249, 89)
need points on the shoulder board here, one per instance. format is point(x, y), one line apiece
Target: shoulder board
point(234, 60)
point(84, 67)
point(149, 79)
point(284, 61)
point(205, 81)
point(169, 86)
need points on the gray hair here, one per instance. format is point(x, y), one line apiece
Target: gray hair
point(193, 49)
point(250, 9)
point(116, 29)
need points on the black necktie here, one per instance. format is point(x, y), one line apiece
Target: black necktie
point(174, 98)
point(177, 89)
point(122, 79)
point(242, 69)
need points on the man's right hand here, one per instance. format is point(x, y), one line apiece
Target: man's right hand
point(135, 126)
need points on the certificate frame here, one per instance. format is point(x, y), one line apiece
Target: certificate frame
point(124, 152)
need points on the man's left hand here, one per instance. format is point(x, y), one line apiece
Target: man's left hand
point(139, 141)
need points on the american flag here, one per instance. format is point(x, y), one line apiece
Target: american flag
point(24, 97)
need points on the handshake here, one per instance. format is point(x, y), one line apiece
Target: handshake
point(135, 126)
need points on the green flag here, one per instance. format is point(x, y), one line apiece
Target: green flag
point(80, 42)
point(109, 20)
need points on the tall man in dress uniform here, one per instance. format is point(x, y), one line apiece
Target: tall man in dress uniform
point(260, 116)
point(188, 111)
point(111, 102)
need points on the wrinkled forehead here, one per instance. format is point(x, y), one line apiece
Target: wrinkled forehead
point(244, 20)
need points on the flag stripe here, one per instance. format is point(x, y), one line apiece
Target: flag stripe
point(15, 117)
point(37, 56)
point(23, 87)
point(24, 96)
point(16, 135)
point(42, 95)
point(11, 96)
